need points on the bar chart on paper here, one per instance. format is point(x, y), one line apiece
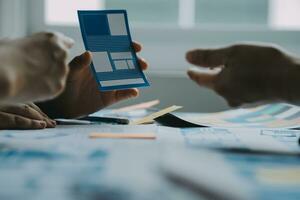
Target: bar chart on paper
point(106, 34)
point(275, 116)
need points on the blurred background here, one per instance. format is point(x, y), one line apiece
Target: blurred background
point(167, 29)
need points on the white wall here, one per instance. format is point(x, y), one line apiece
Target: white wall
point(13, 18)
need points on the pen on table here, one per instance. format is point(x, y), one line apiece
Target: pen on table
point(92, 120)
point(72, 122)
point(106, 120)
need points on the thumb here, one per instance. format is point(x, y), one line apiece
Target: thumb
point(126, 94)
point(82, 60)
point(203, 78)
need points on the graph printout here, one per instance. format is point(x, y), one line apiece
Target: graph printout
point(106, 34)
point(270, 116)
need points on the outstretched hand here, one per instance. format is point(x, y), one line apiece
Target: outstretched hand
point(247, 73)
point(82, 96)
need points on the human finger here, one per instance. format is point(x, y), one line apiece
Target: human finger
point(35, 107)
point(50, 122)
point(22, 110)
point(209, 80)
point(137, 46)
point(82, 60)
point(143, 63)
point(208, 57)
point(12, 121)
point(203, 79)
point(126, 94)
point(26, 111)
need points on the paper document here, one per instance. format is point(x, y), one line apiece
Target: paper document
point(234, 139)
point(106, 34)
point(206, 173)
point(270, 116)
point(234, 175)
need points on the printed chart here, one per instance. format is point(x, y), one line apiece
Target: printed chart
point(279, 115)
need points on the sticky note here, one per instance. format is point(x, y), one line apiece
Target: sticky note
point(145, 136)
point(107, 36)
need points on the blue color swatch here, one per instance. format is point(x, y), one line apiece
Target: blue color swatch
point(106, 34)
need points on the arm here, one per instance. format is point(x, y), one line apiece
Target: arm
point(33, 68)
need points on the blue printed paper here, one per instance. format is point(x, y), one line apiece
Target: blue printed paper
point(106, 34)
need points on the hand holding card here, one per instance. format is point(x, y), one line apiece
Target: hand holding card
point(115, 65)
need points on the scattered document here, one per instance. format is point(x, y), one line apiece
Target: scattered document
point(271, 116)
point(234, 139)
point(206, 173)
point(106, 34)
point(63, 161)
point(234, 175)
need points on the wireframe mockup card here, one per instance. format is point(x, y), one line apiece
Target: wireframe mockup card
point(106, 34)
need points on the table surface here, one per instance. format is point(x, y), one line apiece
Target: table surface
point(64, 163)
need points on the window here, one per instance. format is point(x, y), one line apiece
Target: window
point(275, 14)
point(64, 12)
point(147, 11)
point(284, 14)
point(140, 11)
point(232, 13)
point(168, 28)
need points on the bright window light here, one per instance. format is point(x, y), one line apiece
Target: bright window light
point(276, 14)
point(64, 12)
point(284, 14)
